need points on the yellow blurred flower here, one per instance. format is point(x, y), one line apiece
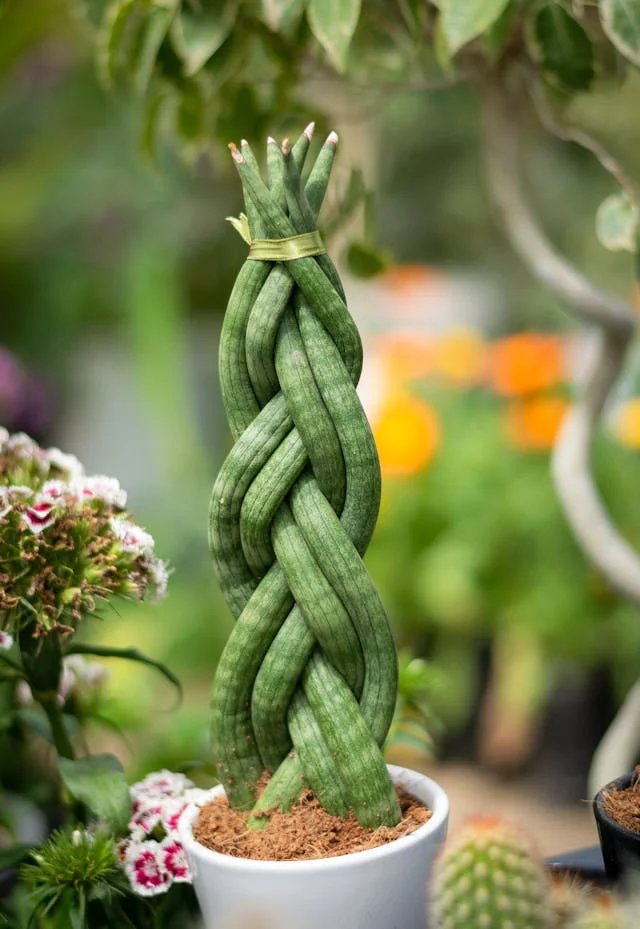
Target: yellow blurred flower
point(533, 424)
point(460, 356)
point(407, 433)
point(626, 423)
point(525, 363)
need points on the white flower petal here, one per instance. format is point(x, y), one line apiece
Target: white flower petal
point(69, 465)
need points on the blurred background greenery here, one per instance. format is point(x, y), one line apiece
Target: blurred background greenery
point(114, 272)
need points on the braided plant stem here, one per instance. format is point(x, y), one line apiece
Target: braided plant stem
point(306, 685)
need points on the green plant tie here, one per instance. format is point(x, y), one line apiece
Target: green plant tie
point(306, 685)
point(305, 245)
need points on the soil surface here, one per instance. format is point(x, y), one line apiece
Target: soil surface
point(623, 806)
point(306, 831)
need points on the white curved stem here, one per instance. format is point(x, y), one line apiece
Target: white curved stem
point(571, 465)
point(615, 322)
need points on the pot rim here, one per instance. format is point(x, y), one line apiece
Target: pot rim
point(439, 804)
point(600, 813)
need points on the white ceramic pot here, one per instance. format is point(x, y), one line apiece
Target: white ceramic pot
point(382, 888)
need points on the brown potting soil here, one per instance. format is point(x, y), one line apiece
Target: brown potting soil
point(623, 806)
point(305, 832)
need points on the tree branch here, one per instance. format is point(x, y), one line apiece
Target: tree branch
point(572, 134)
point(615, 323)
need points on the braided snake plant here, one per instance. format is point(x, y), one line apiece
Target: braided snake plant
point(306, 685)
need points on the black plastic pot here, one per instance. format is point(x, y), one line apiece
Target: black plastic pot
point(620, 846)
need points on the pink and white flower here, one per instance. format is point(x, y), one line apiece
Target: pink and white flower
point(22, 446)
point(87, 673)
point(171, 811)
point(175, 861)
point(4, 437)
point(19, 491)
point(77, 674)
point(6, 641)
point(53, 492)
point(161, 784)
point(131, 537)
point(69, 465)
point(158, 802)
point(101, 487)
point(39, 516)
point(144, 866)
point(147, 814)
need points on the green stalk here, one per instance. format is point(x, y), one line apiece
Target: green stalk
point(42, 663)
point(61, 740)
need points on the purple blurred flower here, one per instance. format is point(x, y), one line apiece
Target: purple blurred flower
point(25, 400)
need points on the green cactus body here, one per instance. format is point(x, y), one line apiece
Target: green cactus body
point(488, 877)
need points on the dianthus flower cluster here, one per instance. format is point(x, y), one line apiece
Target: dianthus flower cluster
point(67, 542)
point(152, 855)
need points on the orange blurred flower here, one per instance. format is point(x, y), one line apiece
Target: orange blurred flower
point(461, 356)
point(533, 424)
point(626, 423)
point(525, 363)
point(401, 278)
point(406, 431)
point(406, 357)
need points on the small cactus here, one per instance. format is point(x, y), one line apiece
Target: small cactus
point(570, 898)
point(489, 877)
point(606, 913)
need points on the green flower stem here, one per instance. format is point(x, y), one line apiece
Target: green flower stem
point(42, 663)
point(49, 703)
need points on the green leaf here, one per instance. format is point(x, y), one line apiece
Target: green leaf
point(333, 23)
point(497, 35)
point(128, 654)
point(152, 34)
point(621, 22)
point(282, 15)
point(98, 781)
point(113, 37)
point(197, 37)
point(617, 222)
point(565, 49)
point(5, 659)
point(463, 20)
point(151, 122)
point(364, 261)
